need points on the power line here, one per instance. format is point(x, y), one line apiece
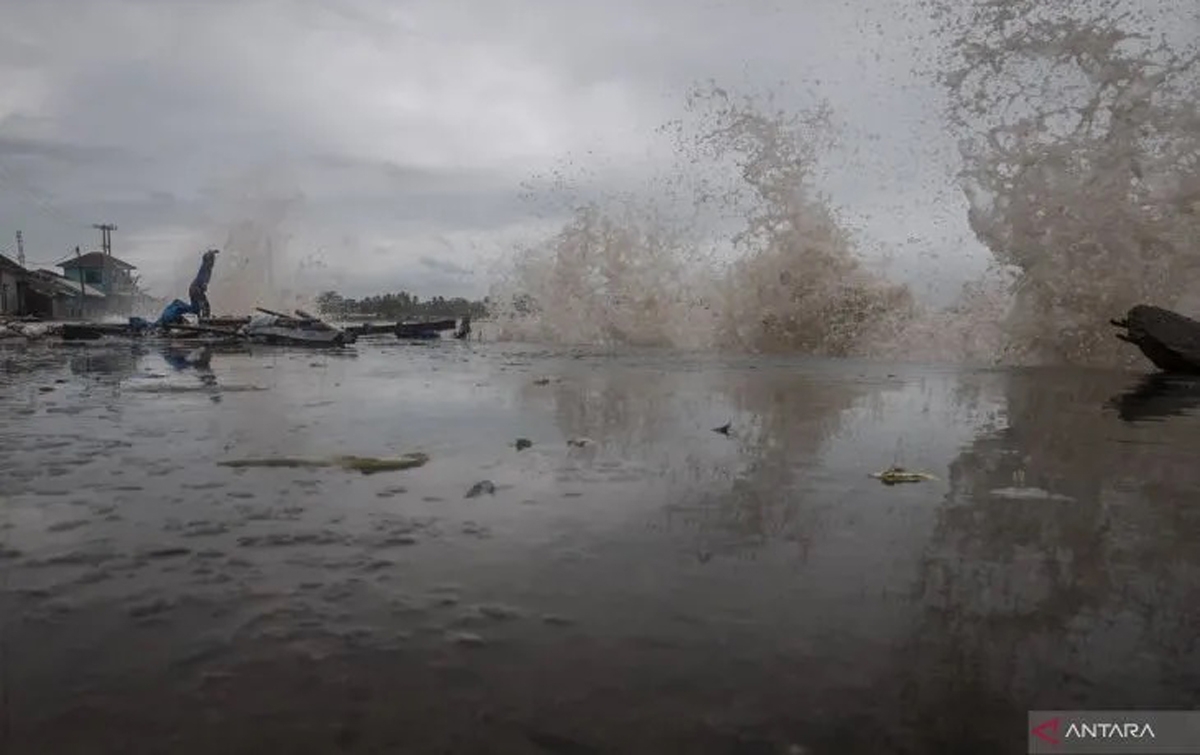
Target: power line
point(45, 263)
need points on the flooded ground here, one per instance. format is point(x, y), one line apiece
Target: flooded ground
point(654, 587)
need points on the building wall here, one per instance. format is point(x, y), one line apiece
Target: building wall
point(12, 293)
point(53, 300)
point(70, 307)
point(40, 305)
point(108, 277)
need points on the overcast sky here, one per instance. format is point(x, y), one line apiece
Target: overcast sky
point(386, 141)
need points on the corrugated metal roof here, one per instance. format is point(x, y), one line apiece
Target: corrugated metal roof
point(65, 285)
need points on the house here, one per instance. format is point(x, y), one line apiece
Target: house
point(14, 281)
point(51, 296)
point(106, 274)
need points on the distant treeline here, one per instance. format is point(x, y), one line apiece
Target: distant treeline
point(400, 306)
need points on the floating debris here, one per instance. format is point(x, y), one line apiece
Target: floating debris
point(281, 462)
point(542, 381)
point(523, 443)
point(370, 465)
point(481, 487)
point(896, 475)
point(364, 464)
point(1029, 494)
point(580, 442)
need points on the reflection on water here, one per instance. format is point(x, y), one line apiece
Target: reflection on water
point(105, 362)
point(663, 588)
point(1158, 396)
point(1079, 593)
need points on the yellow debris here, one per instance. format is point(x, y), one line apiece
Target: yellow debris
point(896, 475)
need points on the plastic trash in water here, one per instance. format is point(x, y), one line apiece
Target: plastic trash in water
point(895, 475)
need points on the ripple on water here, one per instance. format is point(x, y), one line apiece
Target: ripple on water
point(211, 485)
point(290, 539)
point(166, 552)
point(466, 639)
point(153, 609)
point(81, 557)
point(490, 612)
point(205, 529)
point(67, 526)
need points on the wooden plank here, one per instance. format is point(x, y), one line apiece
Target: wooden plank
point(203, 329)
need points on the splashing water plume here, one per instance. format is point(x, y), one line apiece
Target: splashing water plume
point(258, 264)
point(1081, 161)
point(796, 283)
point(631, 270)
point(611, 276)
point(1080, 145)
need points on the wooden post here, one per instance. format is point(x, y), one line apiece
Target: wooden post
point(80, 269)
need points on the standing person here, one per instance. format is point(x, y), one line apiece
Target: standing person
point(198, 291)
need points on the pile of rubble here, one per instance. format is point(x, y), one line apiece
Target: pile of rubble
point(25, 329)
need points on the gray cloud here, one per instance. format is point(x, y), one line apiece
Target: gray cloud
point(21, 148)
point(443, 266)
point(404, 129)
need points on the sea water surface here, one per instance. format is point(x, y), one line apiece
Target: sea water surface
point(631, 582)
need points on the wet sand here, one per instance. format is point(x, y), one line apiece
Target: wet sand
point(660, 588)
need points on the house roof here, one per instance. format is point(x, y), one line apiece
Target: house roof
point(94, 259)
point(12, 264)
point(65, 285)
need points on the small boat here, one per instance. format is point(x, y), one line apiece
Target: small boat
point(417, 331)
point(303, 330)
point(73, 331)
point(424, 331)
point(1168, 339)
point(232, 323)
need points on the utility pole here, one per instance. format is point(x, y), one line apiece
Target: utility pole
point(80, 269)
point(106, 230)
point(20, 250)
